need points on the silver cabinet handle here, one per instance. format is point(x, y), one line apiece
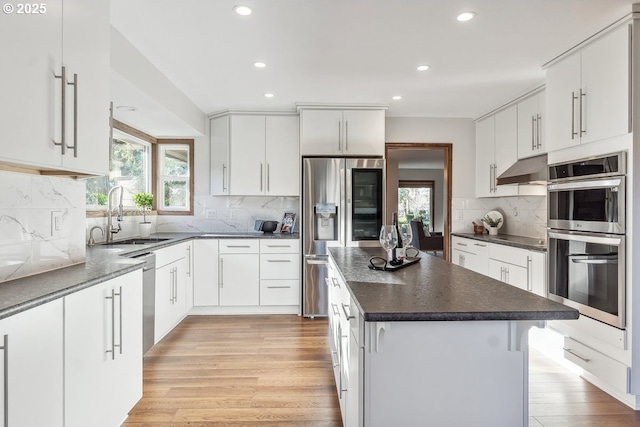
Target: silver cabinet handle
point(189, 261)
point(278, 246)
point(175, 285)
point(582, 103)
point(346, 135)
point(74, 147)
point(335, 310)
point(336, 284)
point(479, 244)
point(529, 273)
point(278, 260)
point(461, 244)
point(260, 176)
point(490, 175)
point(268, 177)
point(63, 141)
point(461, 259)
point(238, 246)
point(5, 349)
point(334, 363)
point(568, 350)
point(533, 133)
point(278, 287)
point(339, 135)
point(113, 324)
point(119, 295)
point(573, 115)
point(224, 172)
point(347, 316)
point(539, 122)
point(221, 272)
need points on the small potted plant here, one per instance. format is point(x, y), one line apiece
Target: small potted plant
point(492, 223)
point(144, 201)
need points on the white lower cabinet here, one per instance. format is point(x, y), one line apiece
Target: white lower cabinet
point(354, 396)
point(470, 254)
point(239, 272)
point(205, 273)
point(171, 288)
point(279, 272)
point(521, 268)
point(32, 356)
point(103, 352)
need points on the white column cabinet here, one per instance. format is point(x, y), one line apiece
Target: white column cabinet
point(239, 272)
point(342, 132)
point(219, 129)
point(588, 92)
point(32, 352)
point(531, 126)
point(103, 352)
point(75, 36)
point(205, 272)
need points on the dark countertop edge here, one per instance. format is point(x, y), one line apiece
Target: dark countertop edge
point(35, 302)
point(469, 316)
point(490, 239)
point(128, 251)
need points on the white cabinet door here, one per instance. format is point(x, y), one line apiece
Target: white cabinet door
point(531, 122)
point(485, 131)
point(506, 148)
point(563, 91)
point(508, 273)
point(103, 352)
point(605, 86)
point(220, 156)
point(364, 132)
point(282, 156)
point(86, 32)
point(538, 273)
point(205, 273)
point(30, 122)
point(163, 301)
point(247, 156)
point(239, 279)
point(32, 353)
point(320, 132)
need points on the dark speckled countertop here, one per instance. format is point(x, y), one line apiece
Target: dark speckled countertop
point(103, 262)
point(437, 290)
point(522, 242)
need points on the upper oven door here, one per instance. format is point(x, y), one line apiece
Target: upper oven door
point(596, 205)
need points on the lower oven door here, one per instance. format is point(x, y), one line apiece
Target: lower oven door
point(587, 272)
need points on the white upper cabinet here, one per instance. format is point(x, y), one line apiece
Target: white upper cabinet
point(531, 126)
point(342, 132)
point(75, 37)
point(253, 155)
point(588, 92)
point(496, 150)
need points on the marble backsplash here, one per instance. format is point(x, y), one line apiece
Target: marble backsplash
point(29, 242)
point(523, 216)
point(211, 214)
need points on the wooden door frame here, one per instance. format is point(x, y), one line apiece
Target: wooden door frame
point(448, 163)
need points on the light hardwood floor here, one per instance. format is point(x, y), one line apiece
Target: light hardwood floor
point(276, 371)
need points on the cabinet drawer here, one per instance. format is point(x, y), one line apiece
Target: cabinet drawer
point(279, 246)
point(170, 254)
point(469, 245)
point(279, 266)
point(604, 367)
point(239, 246)
point(508, 254)
point(279, 292)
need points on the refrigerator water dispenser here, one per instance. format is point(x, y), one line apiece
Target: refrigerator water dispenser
point(326, 223)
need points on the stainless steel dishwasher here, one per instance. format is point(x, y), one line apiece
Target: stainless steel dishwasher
point(148, 299)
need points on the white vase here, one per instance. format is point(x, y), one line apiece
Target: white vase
point(493, 231)
point(145, 229)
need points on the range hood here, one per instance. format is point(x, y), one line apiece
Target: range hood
point(532, 170)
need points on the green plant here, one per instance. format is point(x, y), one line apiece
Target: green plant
point(143, 201)
point(100, 198)
point(491, 222)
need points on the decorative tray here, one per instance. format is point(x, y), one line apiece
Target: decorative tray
point(388, 267)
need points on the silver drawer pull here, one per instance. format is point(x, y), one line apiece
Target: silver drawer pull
point(278, 246)
point(461, 244)
point(278, 260)
point(568, 350)
point(481, 245)
point(238, 246)
point(278, 287)
point(347, 315)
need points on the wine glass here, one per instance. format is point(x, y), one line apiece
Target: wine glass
point(388, 238)
point(406, 235)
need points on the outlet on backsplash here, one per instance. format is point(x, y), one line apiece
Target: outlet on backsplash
point(56, 223)
point(211, 214)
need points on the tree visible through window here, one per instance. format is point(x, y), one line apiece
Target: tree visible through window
point(415, 201)
point(174, 177)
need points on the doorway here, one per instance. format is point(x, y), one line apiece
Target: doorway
point(415, 164)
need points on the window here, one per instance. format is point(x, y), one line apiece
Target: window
point(136, 158)
point(415, 200)
point(175, 177)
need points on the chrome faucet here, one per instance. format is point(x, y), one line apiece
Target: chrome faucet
point(111, 230)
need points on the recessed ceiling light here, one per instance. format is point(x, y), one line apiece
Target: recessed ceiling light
point(269, 95)
point(126, 108)
point(242, 10)
point(422, 67)
point(397, 98)
point(466, 16)
point(259, 64)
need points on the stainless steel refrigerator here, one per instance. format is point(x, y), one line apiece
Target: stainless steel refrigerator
point(342, 205)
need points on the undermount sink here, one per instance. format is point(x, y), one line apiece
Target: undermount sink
point(136, 241)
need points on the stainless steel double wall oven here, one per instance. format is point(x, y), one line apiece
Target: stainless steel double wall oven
point(586, 236)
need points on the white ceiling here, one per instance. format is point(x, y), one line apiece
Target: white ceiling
point(358, 51)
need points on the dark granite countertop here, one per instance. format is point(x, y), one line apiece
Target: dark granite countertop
point(437, 290)
point(529, 243)
point(103, 262)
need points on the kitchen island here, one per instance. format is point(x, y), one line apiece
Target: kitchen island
point(430, 344)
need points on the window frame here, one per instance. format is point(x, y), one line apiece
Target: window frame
point(156, 175)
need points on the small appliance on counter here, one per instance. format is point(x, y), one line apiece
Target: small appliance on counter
point(266, 226)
